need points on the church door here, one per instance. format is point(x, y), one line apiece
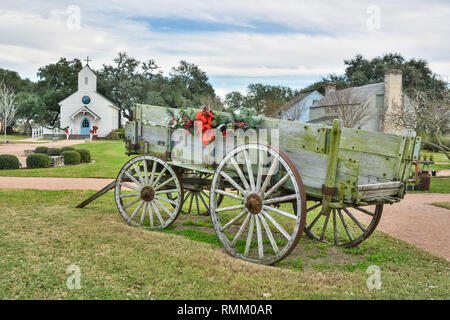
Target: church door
point(85, 126)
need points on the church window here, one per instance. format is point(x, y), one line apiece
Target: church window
point(86, 80)
point(85, 123)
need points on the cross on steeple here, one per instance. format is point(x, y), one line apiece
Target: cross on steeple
point(87, 60)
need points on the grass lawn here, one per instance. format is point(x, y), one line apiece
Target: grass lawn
point(437, 185)
point(437, 156)
point(42, 233)
point(14, 137)
point(442, 204)
point(109, 157)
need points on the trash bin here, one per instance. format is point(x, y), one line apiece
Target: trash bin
point(424, 180)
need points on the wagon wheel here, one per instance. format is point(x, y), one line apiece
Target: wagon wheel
point(141, 193)
point(197, 195)
point(257, 209)
point(342, 226)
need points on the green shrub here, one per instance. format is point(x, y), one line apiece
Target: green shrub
point(8, 161)
point(116, 134)
point(67, 149)
point(38, 160)
point(54, 152)
point(71, 157)
point(41, 150)
point(85, 155)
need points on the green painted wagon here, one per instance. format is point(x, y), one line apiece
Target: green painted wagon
point(329, 182)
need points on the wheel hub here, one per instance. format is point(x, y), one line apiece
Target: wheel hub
point(147, 193)
point(254, 204)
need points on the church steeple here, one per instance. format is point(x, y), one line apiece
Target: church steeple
point(87, 79)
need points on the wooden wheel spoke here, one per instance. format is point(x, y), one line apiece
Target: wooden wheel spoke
point(166, 191)
point(145, 172)
point(150, 215)
point(276, 186)
point(190, 204)
point(161, 174)
point(260, 169)
point(349, 234)
point(203, 200)
point(314, 206)
point(232, 221)
point(131, 203)
point(164, 183)
point(271, 172)
point(354, 219)
point(335, 231)
point(281, 199)
point(259, 235)
point(162, 206)
point(314, 221)
point(152, 177)
point(143, 213)
point(166, 200)
point(133, 179)
point(128, 186)
point(129, 195)
point(229, 194)
point(138, 171)
point(239, 172)
point(269, 234)
point(196, 201)
point(249, 235)
point(158, 214)
point(325, 224)
point(283, 213)
point(233, 183)
point(365, 211)
point(137, 210)
point(239, 206)
point(277, 225)
point(249, 170)
point(241, 229)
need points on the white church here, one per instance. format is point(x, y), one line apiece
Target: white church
point(87, 108)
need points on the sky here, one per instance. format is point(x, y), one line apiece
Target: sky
point(290, 43)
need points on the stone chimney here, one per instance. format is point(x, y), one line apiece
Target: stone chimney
point(329, 87)
point(393, 96)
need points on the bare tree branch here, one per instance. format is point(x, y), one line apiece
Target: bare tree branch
point(8, 106)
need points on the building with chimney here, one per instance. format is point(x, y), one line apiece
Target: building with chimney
point(365, 107)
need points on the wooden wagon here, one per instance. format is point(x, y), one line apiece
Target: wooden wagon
point(329, 182)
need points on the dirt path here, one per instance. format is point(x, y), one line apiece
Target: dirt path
point(418, 222)
point(18, 149)
point(53, 183)
point(443, 173)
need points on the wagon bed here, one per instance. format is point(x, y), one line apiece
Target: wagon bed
point(327, 181)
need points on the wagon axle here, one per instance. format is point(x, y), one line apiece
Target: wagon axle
point(147, 193)
point(254, 204)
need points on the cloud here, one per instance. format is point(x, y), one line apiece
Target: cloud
point(233, 41)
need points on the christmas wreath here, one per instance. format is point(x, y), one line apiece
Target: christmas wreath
point(244, 119)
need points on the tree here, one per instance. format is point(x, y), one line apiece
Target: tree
point(360, 71)
point(56, 82)
point(427, 113)
point(124, 82)
point(32, 108)
point(349, 107)
point(234, 100)
point(8, 106)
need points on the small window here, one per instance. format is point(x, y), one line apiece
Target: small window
point(85, 80)
point(85, 123)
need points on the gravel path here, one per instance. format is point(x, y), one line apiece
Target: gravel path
point(443, 173)
point(18, 149)
point(53, 183)
point(418, 222)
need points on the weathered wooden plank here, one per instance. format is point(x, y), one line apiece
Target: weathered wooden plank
point(378, 143)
